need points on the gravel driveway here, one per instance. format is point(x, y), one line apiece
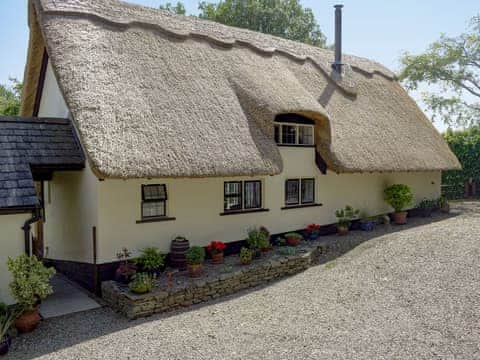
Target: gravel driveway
point(413, 292)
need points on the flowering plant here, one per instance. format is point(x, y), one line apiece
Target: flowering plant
point(313, 229)
point(216, 247)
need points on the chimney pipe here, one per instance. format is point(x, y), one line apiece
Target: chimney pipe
point(337, 65)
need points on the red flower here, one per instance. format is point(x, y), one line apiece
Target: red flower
point(216, 247)
point(313, 228)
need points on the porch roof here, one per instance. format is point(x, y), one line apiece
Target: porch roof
point(31, 147)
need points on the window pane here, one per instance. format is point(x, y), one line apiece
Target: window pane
point(233, 196)
point(153, 208)
point(253, 194)
point(289, 134)
point(277, 134)
point(305, 135)
point(308, 191)
point(291, 192)
point(233, 203)
point(154, 192)
point(233, 188)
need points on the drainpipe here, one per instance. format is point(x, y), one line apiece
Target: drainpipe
point(26, 228)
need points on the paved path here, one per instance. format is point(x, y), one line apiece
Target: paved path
point(412, 293)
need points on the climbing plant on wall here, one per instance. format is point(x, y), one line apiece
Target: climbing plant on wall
point(466, 146)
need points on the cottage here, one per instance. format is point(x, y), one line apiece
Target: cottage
point(170, 125)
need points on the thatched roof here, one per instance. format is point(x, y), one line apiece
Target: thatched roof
point(156, 95)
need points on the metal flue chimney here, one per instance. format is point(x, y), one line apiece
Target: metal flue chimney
point(337, 65)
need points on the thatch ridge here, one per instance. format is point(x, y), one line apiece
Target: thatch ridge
point(142, 73)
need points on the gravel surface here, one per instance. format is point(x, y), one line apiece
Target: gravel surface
point(410, 292)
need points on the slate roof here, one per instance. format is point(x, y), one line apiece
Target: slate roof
point(27, 143)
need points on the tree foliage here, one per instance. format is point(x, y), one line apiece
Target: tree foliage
point(465, 144)
point(10, 98)
point(453, 65)
point(178, 9)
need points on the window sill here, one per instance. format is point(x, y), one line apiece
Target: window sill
point(296, 145)
point(156, 219)
point(237, 212)
point(300, 206)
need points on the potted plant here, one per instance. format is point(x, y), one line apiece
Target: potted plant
point(313, 231)
point(257, 241)
point(293, 239)
point(195, 259)
point(368, 223)
point(151, 260)
point(7, 318)
point(215, 248)
point(426, 207)
point(142, 283)
point(345, 217)
point(245, 255)
point(398, 196)
point(125, 270)
point(30, 284)
point(443, 205)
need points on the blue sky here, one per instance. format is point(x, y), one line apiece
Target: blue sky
point(377, 29)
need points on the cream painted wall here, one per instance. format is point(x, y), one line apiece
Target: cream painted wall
point(197, 203)
point(52, 103)
point(12, 245)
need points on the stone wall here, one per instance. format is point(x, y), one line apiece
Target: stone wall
point(193, 291)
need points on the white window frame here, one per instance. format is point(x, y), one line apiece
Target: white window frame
point(297, 133)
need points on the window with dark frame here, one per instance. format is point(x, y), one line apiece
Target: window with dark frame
point(299, 192)
point(242, 195)
point(154, 201)
point(294, 134)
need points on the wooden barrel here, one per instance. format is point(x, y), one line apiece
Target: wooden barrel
point(178, 253)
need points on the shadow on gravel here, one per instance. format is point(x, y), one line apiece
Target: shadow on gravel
point(63, 332)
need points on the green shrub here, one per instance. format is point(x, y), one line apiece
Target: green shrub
point(245, 254)
point(346, 215)
point(398, 196)
point(258, 239)
point(150, 259)
point(31, 280)
point(195, 255)
point(142, 283)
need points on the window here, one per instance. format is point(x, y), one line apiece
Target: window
point(294, 134)
point(242, 195)
point(154, 201)
point(299, 191)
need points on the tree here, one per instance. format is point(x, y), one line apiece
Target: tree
point(451, 65)
point(10, 98)
point(178, 9)
point(283, 18)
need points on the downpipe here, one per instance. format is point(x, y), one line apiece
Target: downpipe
point(27, 226)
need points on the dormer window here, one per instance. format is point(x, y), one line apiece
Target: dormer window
point(294, 130)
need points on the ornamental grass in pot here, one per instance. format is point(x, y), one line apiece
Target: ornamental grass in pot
point(215, 248)
point(345, 217)
point(293, 239)
point(426, 207)
point(398, 196)
point(30, 285)
point(142, 283)
point(7, 318)
point(195, 258)
point(151, 260)
point(443, 205)
point(258, 241)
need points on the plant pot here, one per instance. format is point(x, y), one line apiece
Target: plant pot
point(400, 218)
point(246, 261)
point(217, 258)
point(426, 212)
point(445, 208)
point(28, 321)
point(194, 270)
point(256, 254)
point(342, 230)
point(367, 225)
point(5, 344)
point(178, 253)
point(293, 241)
point(313, 236)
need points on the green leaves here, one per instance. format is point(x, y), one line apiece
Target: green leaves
point(283, 18)
point(452, 65)
point(398, 196)
point(178, 9)
point(10, 98)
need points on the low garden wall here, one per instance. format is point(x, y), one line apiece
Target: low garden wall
point(216, 281)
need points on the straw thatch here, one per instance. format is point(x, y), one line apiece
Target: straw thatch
point(153, 95)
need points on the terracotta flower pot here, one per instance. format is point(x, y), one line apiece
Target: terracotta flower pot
point(342, 230)
point(5, 344)
point(194, 270)
point(445, 208)
point(28, 321)
point(400, 218)
point(293, 241)
point(217, 258)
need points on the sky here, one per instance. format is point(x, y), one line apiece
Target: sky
point(377, 29)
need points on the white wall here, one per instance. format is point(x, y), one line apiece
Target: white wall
point(12, 245)
point(197, 203)
point(52, 103)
